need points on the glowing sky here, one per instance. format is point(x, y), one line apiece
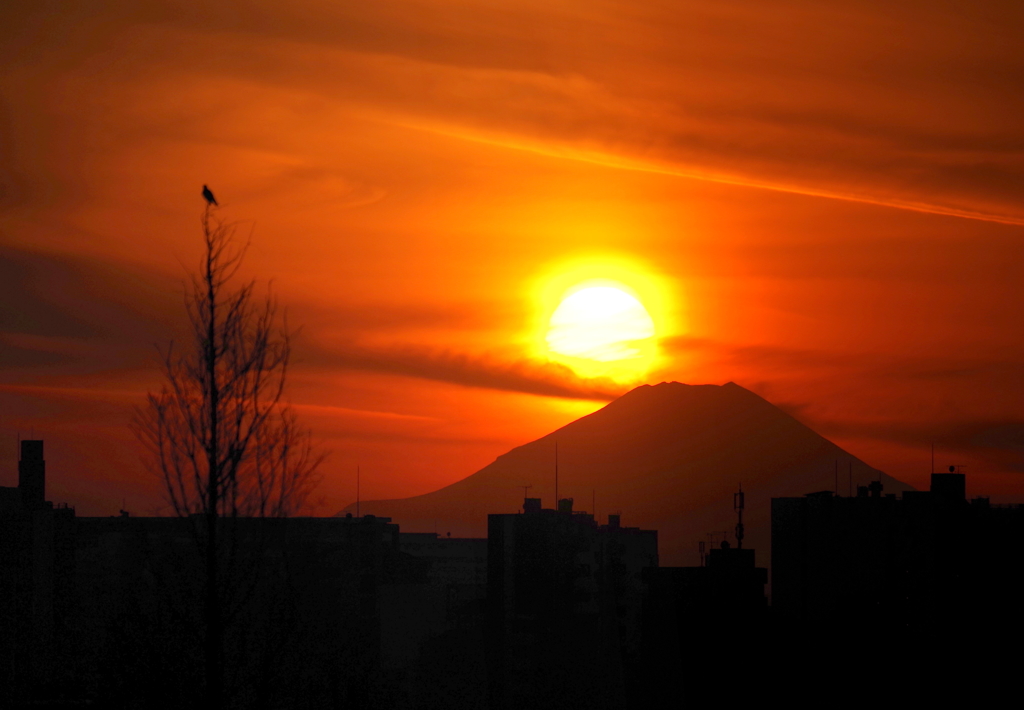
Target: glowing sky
point(819, 201)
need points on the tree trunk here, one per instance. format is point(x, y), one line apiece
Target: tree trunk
point(214, 630)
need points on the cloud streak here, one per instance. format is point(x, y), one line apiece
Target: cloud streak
point(837, 101)
point(723, 93)
point(52, 318)
point(480, 371)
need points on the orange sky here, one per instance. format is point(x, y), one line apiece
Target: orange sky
point(827, 198)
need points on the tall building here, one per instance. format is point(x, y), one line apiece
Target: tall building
point(37, 570)
point(705, 628)
point(564, 597)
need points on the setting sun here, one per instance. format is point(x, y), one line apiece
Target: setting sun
point(601, 323)
point(603, 315)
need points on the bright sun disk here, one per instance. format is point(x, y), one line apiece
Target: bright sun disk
point(600, 323)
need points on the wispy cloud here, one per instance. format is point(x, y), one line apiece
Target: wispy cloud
point(72, 311)
point(723, 93)
point(837, 101)
point(482, 371)
point(873, 364)
point(999, 442)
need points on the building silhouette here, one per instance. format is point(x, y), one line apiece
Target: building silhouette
point(108, 610)
point(551, 610)
point(564, 602)
point(37, 574)
point(696, 617)
point(929, 574)
point(444, 663)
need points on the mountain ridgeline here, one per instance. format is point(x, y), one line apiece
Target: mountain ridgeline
point(667, 457)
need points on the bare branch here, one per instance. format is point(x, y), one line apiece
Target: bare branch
point(220, 437)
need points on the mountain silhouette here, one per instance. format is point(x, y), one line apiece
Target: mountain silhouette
point(667, 457)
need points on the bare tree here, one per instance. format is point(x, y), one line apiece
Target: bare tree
point(221, 437)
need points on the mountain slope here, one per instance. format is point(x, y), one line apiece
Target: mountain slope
point(668, 457)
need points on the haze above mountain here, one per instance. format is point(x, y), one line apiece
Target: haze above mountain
point(667, 457)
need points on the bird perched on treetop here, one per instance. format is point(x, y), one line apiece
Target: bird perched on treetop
point(208, 194)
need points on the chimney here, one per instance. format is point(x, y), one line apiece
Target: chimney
point(32, 474)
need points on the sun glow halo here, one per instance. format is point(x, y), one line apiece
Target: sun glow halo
point(602, 316)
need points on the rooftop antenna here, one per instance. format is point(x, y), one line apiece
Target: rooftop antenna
point(357, 490)
point(525, 489)
point(700, 549)
point(737, 504)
